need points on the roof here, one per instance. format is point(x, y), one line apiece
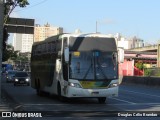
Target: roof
point(54, 38)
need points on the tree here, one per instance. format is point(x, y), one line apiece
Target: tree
point(9, 53)
point(5, 38)
point(140, 65)
point(9, 6)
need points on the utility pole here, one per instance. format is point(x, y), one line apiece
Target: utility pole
point(1, 40)
point(96, 26)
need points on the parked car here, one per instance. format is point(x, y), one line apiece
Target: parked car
point(21, 77)
point(10, 75)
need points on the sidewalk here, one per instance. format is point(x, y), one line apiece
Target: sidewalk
point(5, 107)
point(6, 103)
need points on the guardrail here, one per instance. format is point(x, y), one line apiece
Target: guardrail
point(149, 81)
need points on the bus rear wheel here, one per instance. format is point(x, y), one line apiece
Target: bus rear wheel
point(37, 84)
point(102, 100)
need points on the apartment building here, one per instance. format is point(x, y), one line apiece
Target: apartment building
point(43, 32)
point(128, 43)
point(22, 42)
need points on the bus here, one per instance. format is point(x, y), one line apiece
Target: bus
point(76, 65)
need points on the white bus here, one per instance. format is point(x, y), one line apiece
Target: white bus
point(76, 65)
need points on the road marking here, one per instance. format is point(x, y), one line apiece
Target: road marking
point(141, 93)
point(123, 100)
point(44, 104)
point(158, 104)
point(130, 103)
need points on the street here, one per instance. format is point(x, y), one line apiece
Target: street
point(134, 98)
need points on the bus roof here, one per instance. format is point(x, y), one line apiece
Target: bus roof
point(54, 38)
point(86, 35)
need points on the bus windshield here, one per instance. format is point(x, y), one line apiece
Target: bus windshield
point(93, 65)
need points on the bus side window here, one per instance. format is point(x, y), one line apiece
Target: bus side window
point(54, 46)
point(38, 49)
point(65, 43)
point(42, 48)
point(58, 45)
point(34, 50)
point(65, 65)
point(49, 47)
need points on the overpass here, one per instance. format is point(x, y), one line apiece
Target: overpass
point(152, 48)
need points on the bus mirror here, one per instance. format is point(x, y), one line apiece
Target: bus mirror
point(120, 55)
point(66, 54)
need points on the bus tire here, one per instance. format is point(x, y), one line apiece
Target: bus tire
point(37, 84)
point(102, 100)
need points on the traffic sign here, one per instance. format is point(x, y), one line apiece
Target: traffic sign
point(20, 25)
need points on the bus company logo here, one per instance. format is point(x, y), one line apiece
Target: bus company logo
point(6, 114)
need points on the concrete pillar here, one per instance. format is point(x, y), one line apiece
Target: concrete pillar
point(1, 39)
point(158, 55)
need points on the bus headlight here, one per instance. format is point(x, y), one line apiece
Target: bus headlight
point(113, 85)
point(74, 85)
point(27, 80)
point(16, 80)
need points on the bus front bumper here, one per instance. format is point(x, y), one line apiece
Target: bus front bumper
point(79, 92)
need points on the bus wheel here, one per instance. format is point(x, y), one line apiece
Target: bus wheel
point(37, 84)
point(102, 100)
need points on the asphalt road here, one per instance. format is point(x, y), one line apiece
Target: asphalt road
point(132, 99)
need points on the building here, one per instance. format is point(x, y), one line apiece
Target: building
point(128, 43)
point(22, 42)
point(43, 32)
point(137, 42)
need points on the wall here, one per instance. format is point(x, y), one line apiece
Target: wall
point(126, 68)
point(149, 81)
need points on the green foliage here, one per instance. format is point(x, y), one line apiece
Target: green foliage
point(140, 65)
point(147, 72)
point(158, 73)
point(10, 5)
point(9, 53)
point(22, 3)
point(22, 58)
point(5, 38)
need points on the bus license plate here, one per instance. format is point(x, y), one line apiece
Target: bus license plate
point(95, 93)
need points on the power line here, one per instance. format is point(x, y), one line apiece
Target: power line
point(31, 6)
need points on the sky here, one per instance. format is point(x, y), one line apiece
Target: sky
point(130, 18)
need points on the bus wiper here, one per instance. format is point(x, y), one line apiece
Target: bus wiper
point(88, 70)
point(102, 71)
